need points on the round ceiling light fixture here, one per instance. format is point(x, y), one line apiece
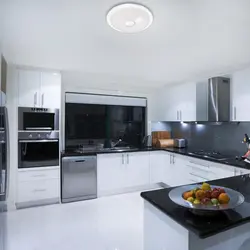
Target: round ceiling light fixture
point(129, 18)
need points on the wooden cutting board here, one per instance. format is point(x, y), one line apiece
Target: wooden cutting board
point(156, 135)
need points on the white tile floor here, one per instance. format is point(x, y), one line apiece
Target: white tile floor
point(109, 223)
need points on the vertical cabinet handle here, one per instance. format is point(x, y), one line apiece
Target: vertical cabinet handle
point(122, 159)
point(177, 115)
point(180, 115)
point(173, 159)
point(35, 99)
point(127, 159)
point(235, 113)
point(42, 99)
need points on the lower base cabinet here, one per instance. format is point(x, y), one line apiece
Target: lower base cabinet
point(116, 172)
point(38, 186)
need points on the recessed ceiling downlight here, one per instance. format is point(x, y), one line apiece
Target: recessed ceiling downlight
point(129, 18)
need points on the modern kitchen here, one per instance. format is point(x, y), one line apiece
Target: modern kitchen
point(124, 137)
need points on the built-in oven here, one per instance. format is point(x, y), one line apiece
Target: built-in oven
point(38, 149)
point(38, 119)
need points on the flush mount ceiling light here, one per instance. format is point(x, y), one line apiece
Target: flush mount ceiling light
point(129, 18)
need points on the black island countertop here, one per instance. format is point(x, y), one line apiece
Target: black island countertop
point(232, 161)
point(205, 227)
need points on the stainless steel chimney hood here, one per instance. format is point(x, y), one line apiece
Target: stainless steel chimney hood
point(213, 100)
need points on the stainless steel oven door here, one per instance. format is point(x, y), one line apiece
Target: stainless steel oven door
point(38, 119)
point(38, 153)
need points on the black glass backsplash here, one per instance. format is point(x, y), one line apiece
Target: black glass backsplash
point(104, 123)
point(224, 137)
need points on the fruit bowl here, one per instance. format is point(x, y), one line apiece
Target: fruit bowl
point(235, 199)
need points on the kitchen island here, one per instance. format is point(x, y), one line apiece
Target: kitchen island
point(169, 226)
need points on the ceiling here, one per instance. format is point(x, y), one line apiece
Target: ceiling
point(187, 40)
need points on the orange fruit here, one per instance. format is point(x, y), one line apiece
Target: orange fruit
point(223, 198)
point(200, 194)
point(188, 194)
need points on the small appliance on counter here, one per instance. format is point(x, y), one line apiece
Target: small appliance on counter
point(180, 143)
point(246, 157)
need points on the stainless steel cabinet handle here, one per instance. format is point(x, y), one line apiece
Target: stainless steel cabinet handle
point(177, 115)
point(235, 113)
point(39, 190)
point(122, 159)
point(35, 99)
point(180, 115)
point(42, 99)
point(173, 159)
point(234, 172)
point(170, 159)
point(127, 158)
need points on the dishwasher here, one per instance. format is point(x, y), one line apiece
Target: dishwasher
point(79, 178)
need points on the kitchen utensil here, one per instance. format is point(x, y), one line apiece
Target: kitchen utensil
point(180, 143)
point(175, 195)
point(164, 143)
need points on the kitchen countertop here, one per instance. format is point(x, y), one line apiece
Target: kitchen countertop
point(185, 151)
point(205, 227)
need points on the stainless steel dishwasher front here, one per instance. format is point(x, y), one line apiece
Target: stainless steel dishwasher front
point(79, 178)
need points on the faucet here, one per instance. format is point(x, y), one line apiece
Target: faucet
point(114, 145)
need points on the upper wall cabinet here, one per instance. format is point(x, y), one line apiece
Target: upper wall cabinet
point(240, 95)
point(176, 103)
point(39, 89)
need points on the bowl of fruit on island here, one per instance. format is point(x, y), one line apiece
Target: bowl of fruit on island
point(206, 197)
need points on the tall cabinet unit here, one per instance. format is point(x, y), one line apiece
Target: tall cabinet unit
point(37, 184)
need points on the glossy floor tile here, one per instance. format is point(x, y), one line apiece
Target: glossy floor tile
point(109, 223)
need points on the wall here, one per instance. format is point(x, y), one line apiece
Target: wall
point(225, 137)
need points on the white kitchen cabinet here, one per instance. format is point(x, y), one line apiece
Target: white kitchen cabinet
point(218, 171)
point(176, 103)
point(116, 172)
point(137, 169)
point(38, 186)
point(240, 83)
point(158, 164)
point(176, 172)
point(50, 90)
point(110, 173)
point(39, 89)
point(28, 88)
point(241, 171)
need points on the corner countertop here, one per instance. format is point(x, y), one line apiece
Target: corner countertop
point(205, 227)
point(184, 151)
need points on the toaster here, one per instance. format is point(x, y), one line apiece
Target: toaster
point(180, 143)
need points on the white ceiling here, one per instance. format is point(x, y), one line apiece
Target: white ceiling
point(189, 39)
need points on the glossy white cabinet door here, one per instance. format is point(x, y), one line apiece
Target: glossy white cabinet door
point(110, 172)
point(168, 178)
point(218, 171)
point(50, 90)
point(137, 169)
point(240, 95)
point(187, 102)
point(180, 171)
point(157, 166)
point(28, 88)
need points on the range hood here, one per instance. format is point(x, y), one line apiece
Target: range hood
point(213, 100)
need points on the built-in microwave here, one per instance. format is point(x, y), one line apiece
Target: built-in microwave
point(38, 119)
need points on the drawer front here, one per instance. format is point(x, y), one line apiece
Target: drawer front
point(34, 175)
point(38, 190)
